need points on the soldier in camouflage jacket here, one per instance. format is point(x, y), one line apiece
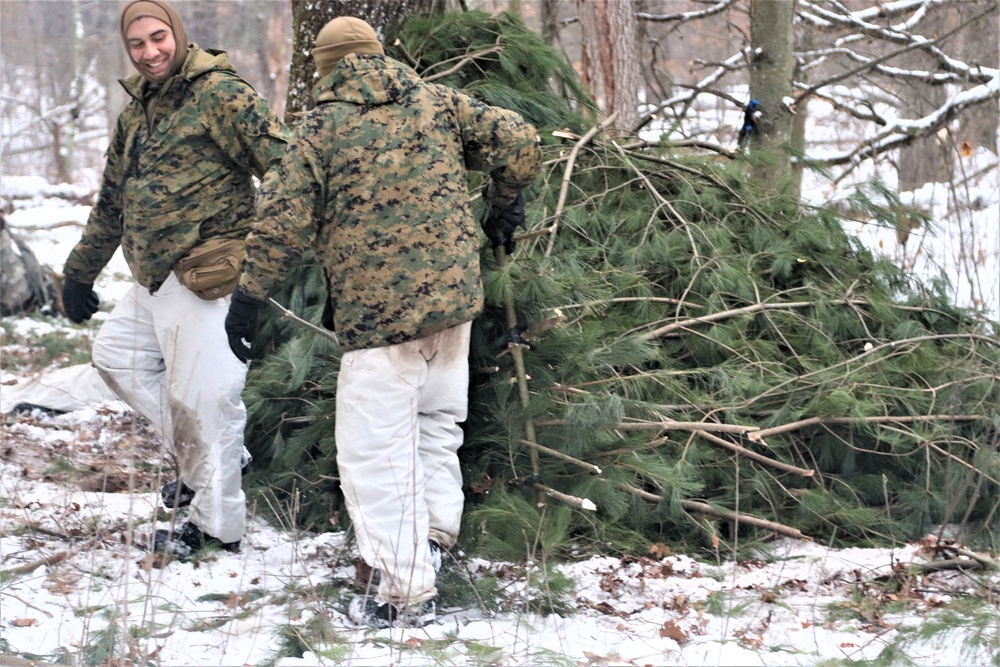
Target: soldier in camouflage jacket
point(179, 174)
point(375, 182)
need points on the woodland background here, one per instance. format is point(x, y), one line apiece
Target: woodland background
point(734, 380)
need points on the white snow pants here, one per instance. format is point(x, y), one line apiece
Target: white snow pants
point(167, 356)
point(398, 414)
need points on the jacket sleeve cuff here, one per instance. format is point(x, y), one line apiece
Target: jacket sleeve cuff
point(73, 269)
point(253, 288)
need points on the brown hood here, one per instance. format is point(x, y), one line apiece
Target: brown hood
point(164, 11)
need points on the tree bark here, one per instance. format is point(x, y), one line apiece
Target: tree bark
point(798, 141)
point(550, 21)
point(278, 53)
point(927, 159)
point(610, 58)
point(772, 63)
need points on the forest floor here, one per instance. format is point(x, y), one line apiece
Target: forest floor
point(79, 500)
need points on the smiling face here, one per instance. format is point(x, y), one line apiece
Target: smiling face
point(151, 46)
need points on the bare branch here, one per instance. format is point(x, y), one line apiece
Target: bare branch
point(750, 454)
point(699, 507)
point(914, 44)
point(686, 16)
point(665, 425)
point(568, 172)
point(812, 421)
point(307, 324)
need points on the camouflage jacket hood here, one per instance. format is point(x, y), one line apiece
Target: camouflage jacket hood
point(366, 80)
point(375, 182)
point(179, 169)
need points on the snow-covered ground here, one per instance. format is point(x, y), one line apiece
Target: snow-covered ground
point(73, 566)
point(76, 586)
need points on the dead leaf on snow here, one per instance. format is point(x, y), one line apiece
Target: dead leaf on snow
point(671, 630)
point(598, 659)
point(607, 609)
point(659, 550)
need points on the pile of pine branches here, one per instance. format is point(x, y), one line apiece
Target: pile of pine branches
point(670, 356)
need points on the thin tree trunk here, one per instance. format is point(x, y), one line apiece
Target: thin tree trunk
point(926, 159)
point(550, 21)
point(277, 53)
point(800, 114)
point(610, 59)
point(771, 66)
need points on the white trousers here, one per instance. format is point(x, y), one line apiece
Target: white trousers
point(167, 356)
point(399, 410)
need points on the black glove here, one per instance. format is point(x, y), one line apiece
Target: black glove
point(80, 301)
point(501, 222)
point(241, 323)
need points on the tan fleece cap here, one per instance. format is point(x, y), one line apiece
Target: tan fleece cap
point(343, 35)
point(164, 11)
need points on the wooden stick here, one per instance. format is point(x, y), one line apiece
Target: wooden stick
point(568, 172)
point(633, 299)
point(705, 508)
point(750, 454)
point(565, 457)
point(517, 353)
point(666, 425)
point(758, 307)
point(988, 563)
point(962, 462)
point(735, 312)
point(307, 324)
point(582, 503)
point(950, 564)
point(811, 421)
point(461, 63)
point(51, 559)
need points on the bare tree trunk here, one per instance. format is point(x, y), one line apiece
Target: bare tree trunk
point(278, 53)
point(550, 21)
point(981, 44)
point(926, 159)
point(75, 96)
point(772, 63)
point(308, 16)
point(610, 58)
point(800, 114)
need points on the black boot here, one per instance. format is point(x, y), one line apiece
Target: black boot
point(375, 576)
point(182, 542)
point(176, 493)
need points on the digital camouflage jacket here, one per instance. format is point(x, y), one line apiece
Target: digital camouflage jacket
point(375, 181)
point(182, 177)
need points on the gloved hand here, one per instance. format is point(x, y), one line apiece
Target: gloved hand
point(501, 222)
point(80, 301)
point(241, 323)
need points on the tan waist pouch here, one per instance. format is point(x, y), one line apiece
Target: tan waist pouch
point(212, 268)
